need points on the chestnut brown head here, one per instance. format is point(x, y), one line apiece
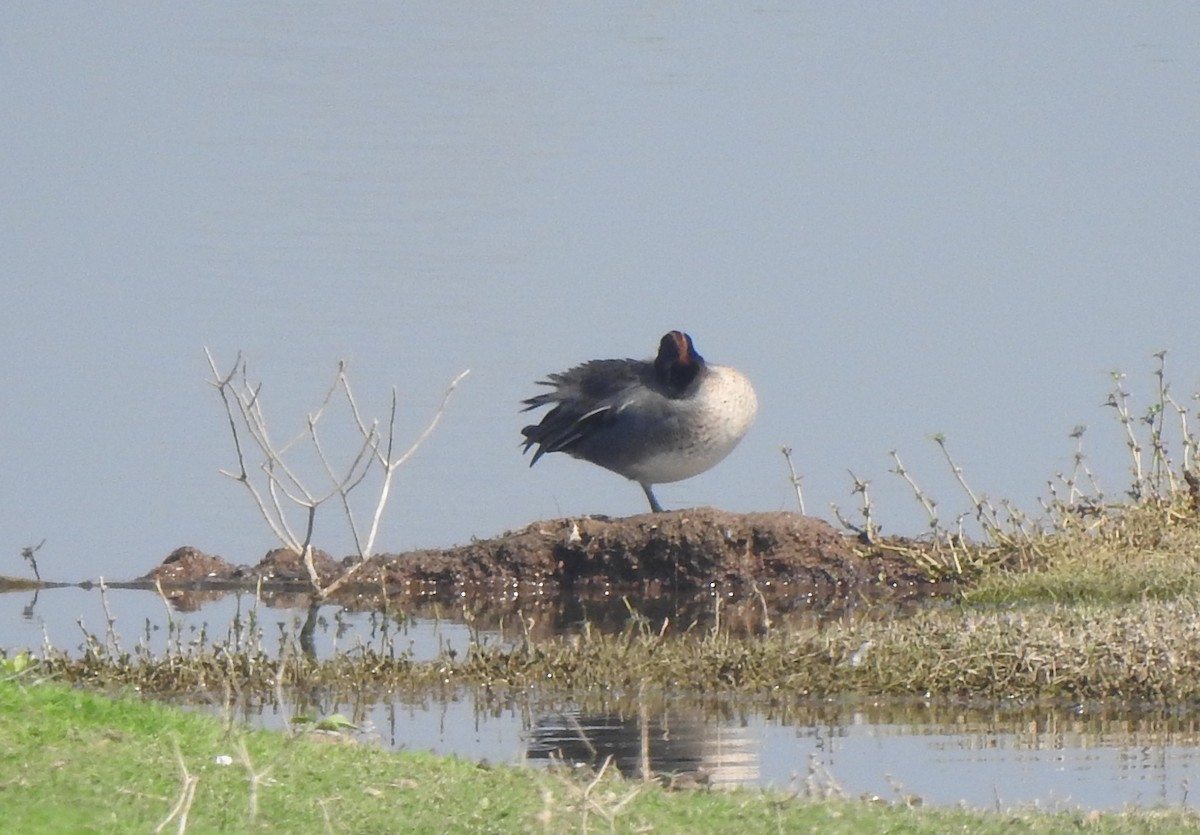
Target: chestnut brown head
point(677, 363)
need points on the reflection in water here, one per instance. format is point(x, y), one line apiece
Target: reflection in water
point(190, 600)
point(369, 620)
point(643, 745)
point(27, 612)
point(1101, 759)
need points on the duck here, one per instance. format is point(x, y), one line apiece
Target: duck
point(653, 421)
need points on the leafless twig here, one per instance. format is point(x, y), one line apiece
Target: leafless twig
point(187, 793)
point(284, 487)
point(795, 479)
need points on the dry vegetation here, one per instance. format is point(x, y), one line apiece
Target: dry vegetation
point(1145, 652)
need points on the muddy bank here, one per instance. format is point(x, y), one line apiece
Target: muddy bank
point(679, 550)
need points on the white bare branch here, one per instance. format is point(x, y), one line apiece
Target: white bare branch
point(391, 465)
point(284, 489)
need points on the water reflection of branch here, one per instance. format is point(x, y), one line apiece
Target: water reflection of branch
point(27, 612)
point(307, 644)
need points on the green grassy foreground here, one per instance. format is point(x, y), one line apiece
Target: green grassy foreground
point(76, 761)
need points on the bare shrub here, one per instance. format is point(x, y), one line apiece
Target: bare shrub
point(281, 493)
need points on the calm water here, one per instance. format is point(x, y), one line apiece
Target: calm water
point(1099, 756)
point(897, 220)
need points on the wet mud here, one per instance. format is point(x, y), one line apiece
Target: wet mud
point(655, 552)
point(775, 554)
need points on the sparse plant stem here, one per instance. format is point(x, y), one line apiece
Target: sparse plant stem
point(390, 465)
point(246, 399)
point(111, 640)
point(984, 512)
point(929, 504)
point(1073, 491)
point(1187, 441)
point(868, 530)
point(842, 520)
point(253, 777)
point(1156, 481)
point(764, 610)
point(1119, 400)
point(326, 818)
point(795, 479)
point(187, 793)
point(28, 554)
point(1155, 418)
point(171, 631)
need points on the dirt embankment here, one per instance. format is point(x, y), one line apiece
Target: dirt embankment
point(686, 549)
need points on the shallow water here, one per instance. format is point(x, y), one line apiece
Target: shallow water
point(984, 758)
point(1101, 756)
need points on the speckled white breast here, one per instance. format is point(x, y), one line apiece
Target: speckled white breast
point(711, 425)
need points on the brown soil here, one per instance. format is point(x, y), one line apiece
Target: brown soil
point(686, 549)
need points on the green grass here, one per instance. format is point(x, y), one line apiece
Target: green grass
point(1129, 554)
point(76, 761)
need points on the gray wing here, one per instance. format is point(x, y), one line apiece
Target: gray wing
point(586, 400)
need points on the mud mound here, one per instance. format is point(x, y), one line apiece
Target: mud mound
point(286, 566)
point(683, 549)
point(187, 565)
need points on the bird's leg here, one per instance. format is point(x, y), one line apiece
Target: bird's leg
point(655, 507)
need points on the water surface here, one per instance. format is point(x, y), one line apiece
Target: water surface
point(1091, 756)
